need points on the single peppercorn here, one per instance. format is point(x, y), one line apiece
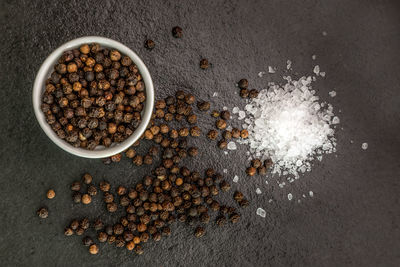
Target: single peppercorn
point(50, 194)
point(86, 199)
point(177, 32)
point(226, 115)
point(92, 191)
point(105, 186)
point(43, 213)
point(253, 93)
point(87, 178)
point(225, 186)
point(76, 197)
point(76, 186)
point(204, 64)
point(244, 203)
point(244, 93)
point(234, 217)
point(220, 124)
point(238, 196)
point(235, 133)
point(203, 105)
point(268, 163)
point(68, 231)
point(221, 220)
point(222, 144)
point(199, 232)
point(262, 170)
point(243, 84)
point(87, 241)
point(149, 44)
point(94, 249)
point(244, 133)
point(256, 163)
point(251, 171)
point(212, 134)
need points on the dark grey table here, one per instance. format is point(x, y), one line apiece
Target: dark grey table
point(353, 218)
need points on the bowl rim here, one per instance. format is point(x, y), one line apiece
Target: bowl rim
point(39, 87)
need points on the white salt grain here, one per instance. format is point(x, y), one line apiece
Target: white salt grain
point(364, 146)
point(324, 33)
point(311, 193)
point(235, 110)
point(261, 212)
point(258, 191)
point(225, 108)
point(271, 70)
point(235, 179)
point(231, 145)
point(316, 69)
point(225, 170)
point(261, 73)
point(332, 93)
point(215, 94)
point(322, 74)
point(290, 196)
point(288, 64)
point(242, 115)
point(314, 57)
point(226, 152)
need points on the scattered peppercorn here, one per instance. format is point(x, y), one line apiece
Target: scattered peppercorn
point(51, 194)
point(251, 171)
point(226, 115)
point(199, 232)
point(203, 106)
point(177, 32)
point(212, 134)
point(86, 199)
point(87, 178)
point(256, 163)
point(243, 84)
point(94, 249)
point(149, 44)
point(204, 64)
point(43, 213)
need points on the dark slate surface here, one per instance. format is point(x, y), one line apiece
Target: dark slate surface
point(353, 218)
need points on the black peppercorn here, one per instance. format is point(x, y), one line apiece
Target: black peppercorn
point(204, 64)
point(87, 241)
point(199, 232)
point(203, 106)
point(177, 32)
point(43, 213)
point(243, 84)
point(149, 44)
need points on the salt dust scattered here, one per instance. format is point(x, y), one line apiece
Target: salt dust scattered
point(261, 73)
point(332, 93)
point(288, 64)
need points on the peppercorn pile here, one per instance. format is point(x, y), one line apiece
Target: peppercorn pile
point(171, 193)
point(94, 96)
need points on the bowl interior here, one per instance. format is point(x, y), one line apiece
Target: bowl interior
point(47, 68)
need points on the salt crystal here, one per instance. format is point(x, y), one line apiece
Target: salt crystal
point(242, 115)
point(289, 64)
point(225, 170)
point(311, 193)
point(316, 69)
point(314, 57)
point(290, 196)
point(335, 120)
point(231, 145)
point(304, 196)
point(235, 179)
point(324, 33)
point(235, 110)
point(266, 182)
point(258, 191)
point(226, 152)
point(225, 108)
point(271, 70)
point(270, 200)
point(332, 93)
point(351, 141)
point(364, 146)
point(261, 212)
point(261, 73)
point(322, 74)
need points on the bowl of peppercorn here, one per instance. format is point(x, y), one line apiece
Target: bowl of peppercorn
point(93, 97)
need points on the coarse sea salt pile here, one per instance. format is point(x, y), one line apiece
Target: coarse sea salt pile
point(288, 124)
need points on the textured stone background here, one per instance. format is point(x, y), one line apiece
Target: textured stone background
point(353, 218)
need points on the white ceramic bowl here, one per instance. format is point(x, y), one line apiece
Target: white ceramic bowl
point(47, 68)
